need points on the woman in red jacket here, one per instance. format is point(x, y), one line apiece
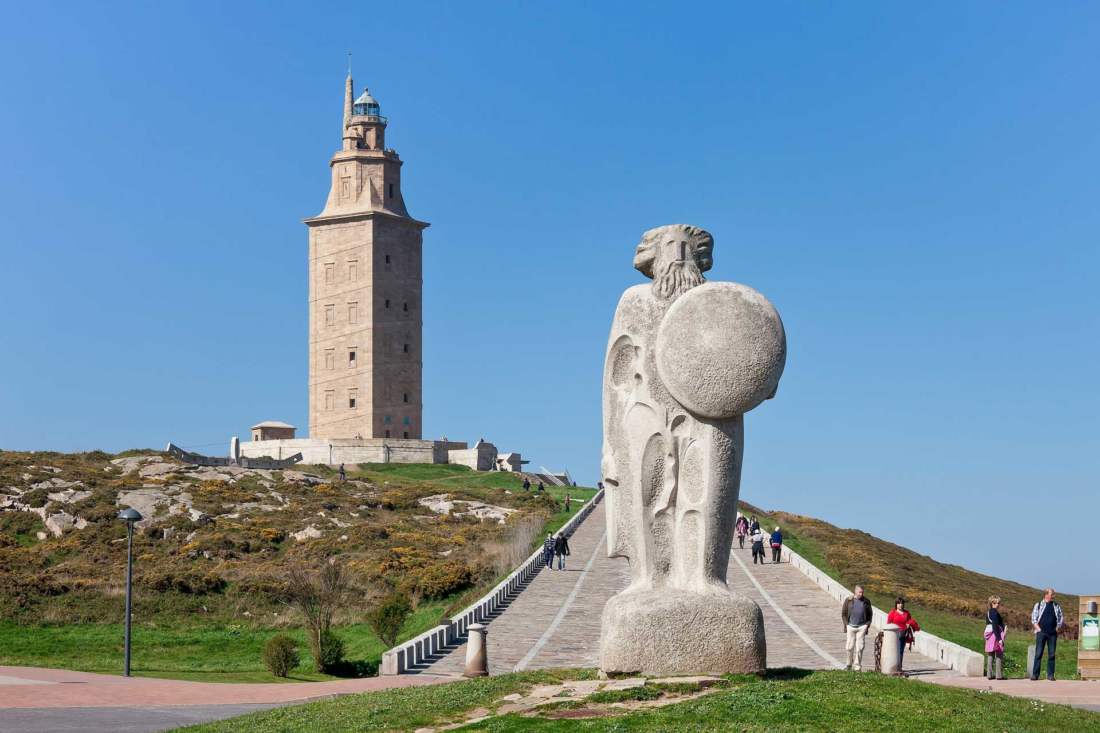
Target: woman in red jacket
point(906, 624)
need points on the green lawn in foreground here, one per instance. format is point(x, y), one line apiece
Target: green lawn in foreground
point(211, 654)
point(788, 700)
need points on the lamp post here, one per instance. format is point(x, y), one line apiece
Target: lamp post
point(129, 515)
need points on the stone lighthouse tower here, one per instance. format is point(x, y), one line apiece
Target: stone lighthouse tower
point(365, 284)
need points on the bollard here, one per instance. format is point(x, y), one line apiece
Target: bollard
point(477, 652)
point(890, 662)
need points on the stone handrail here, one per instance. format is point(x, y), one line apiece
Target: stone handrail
point(403, 657)
point(964, 661)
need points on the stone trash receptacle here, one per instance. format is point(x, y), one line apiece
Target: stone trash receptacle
point(477, 652)
point(890, 662)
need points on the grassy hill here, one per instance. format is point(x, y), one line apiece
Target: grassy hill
point(947, 600)
point(210, 560)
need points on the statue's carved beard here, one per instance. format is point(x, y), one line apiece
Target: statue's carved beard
point(679, 277)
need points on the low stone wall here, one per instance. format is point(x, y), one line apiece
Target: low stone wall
point(402, 658)
point(367, 450)
point(964, 661)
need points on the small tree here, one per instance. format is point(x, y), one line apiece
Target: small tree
point(281, 655)
point(318, 594)
point(387, 618)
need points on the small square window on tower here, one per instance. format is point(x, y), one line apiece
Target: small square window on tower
point(404, 396)
point(405, 307)
point(406, 348)
point(330, 315)
point(387, 259)
point(330, 358)
point(387, 302)
point(353, 270)
point(405, 421)
point(406, 433)
point(353, 313)
point(330, 272)
point(353, 397)
point(387, 433)
point(386, 419)
point(351, 358)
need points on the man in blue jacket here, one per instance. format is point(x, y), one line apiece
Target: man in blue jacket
point(1047, 619)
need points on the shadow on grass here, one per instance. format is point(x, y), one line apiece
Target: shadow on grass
point(784, 674)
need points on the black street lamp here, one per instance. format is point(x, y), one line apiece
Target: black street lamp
point(129, 515)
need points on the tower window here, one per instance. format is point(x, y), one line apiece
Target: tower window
point(405, 307)
point(391, 190)
point(330, 272)
point(406, 348)
point(387, 302)
point(386, 419)
point(406, 433)
point(353, 313)
point(353, 396)
point(330, 399)
point(353, 270)
point(351, 358)
point(330, 358)
point(387, 259)
point(387, 433)
point(405, 421)
point(405, 396)
point(330, 315)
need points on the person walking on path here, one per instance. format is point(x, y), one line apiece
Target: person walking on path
point(757, 546)
point(754, 524)
point(539, 487)
point(343, 475)
point(526, 484)
point(994, 640)
point(1048, 620)
point(742, 529)
point(561, 549)
point(777, 545)
point(548, 546)
point(568, 500)
point(908, 626)
point(856, 614)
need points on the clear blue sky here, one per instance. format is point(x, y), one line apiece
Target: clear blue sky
point(915, 188)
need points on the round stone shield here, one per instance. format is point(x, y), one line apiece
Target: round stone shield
point(721, 349)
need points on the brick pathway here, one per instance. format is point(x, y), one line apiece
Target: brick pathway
point(32, 687)
point(555, 620)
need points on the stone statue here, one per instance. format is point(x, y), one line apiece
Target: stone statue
point(685, 361)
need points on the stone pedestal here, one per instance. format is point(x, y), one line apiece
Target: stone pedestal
point(890, 664)
point(477, 652)
point(677, 632)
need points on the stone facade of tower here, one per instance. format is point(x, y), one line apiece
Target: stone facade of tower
point(365, 284)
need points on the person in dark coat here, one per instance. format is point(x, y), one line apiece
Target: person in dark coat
point(539, 487)
point(777, 545)
point(548, 546)
point(561, 549)
point(343, 475)
point(758, 547)
point(526, 484)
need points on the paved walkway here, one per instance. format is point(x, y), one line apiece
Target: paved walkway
point(34, 700)
point(555, 620)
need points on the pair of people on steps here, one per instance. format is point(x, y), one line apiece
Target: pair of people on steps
point(555, 546)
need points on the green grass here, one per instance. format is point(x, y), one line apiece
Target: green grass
point(787, 700)
point(207, 653)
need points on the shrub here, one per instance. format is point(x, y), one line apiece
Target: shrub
point(440, 580)
point(387, 618)
point(281, 655)
point(327, 650)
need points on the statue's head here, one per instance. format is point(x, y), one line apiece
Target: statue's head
point(674, 257)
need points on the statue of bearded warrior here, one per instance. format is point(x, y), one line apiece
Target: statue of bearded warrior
point(685, 360)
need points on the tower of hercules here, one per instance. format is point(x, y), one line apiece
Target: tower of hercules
point(365, 284)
